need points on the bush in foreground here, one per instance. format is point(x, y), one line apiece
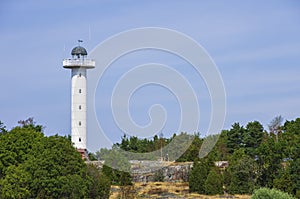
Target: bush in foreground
point(265, 193)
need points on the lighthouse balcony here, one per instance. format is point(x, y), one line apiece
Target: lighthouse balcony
point(76, 63)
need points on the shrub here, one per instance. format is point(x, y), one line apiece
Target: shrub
point(159, 176)
point(265, 193)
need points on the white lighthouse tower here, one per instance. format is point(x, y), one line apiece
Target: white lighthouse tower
point(79, 65)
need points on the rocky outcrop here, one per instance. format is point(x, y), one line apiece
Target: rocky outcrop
point(171, 172)
point(151, 171)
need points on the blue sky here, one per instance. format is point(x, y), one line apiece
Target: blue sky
point(255, 45)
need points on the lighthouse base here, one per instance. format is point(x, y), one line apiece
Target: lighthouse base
point(83, 153)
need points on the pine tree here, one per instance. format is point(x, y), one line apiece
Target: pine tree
point(252, 137)
point(214, 182)
point(242, 176)
point(198, 176)
point(234, 137)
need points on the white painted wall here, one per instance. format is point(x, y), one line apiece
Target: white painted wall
point(78, 109)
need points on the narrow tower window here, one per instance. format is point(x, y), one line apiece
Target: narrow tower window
point(79, 139)
point(79, 123)
point(79, 74)
point(79, 107)
point(79, 90)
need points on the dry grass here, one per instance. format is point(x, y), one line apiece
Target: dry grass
point(162, 190)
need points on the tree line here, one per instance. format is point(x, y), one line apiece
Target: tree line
point(33, 165)
point(257, 157)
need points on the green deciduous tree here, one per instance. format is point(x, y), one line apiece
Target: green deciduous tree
point(35, 166)
point(16, 146)
point(57, 169)
point(15, 184)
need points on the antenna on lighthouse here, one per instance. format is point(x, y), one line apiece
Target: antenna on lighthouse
point(79, 41)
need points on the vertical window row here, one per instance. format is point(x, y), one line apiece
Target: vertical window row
point(79, 107)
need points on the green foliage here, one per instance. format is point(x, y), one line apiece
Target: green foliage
point(243, 176)
point(265, 193)
point(257, 158)
point(117, 167)
point(193, 150)
point(57, 169)
point(252, 137)
point(153, 149)
point(235, 137)
point(295, 177)
point(16, 146)
point(283, 181)
point(99, 186)
point(159, 176)
point(15, 184)
point(2, 128)
point(198, 175)
point(291, 138)
point(214, 182)
point(270, 156)
point(35, 166)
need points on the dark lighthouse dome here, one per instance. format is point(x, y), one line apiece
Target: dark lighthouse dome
point(79, 51)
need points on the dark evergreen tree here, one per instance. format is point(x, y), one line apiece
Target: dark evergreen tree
point(99, 186)
point(234, 137)
point(117, 168)
point(214, 182)
point(283, 181)
point(269, 161)
point(243, 176)
point(291, 139)
point(2, 127)
point(193, 151)
point(198, 175)
point(252, 137)
point(295, 177)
